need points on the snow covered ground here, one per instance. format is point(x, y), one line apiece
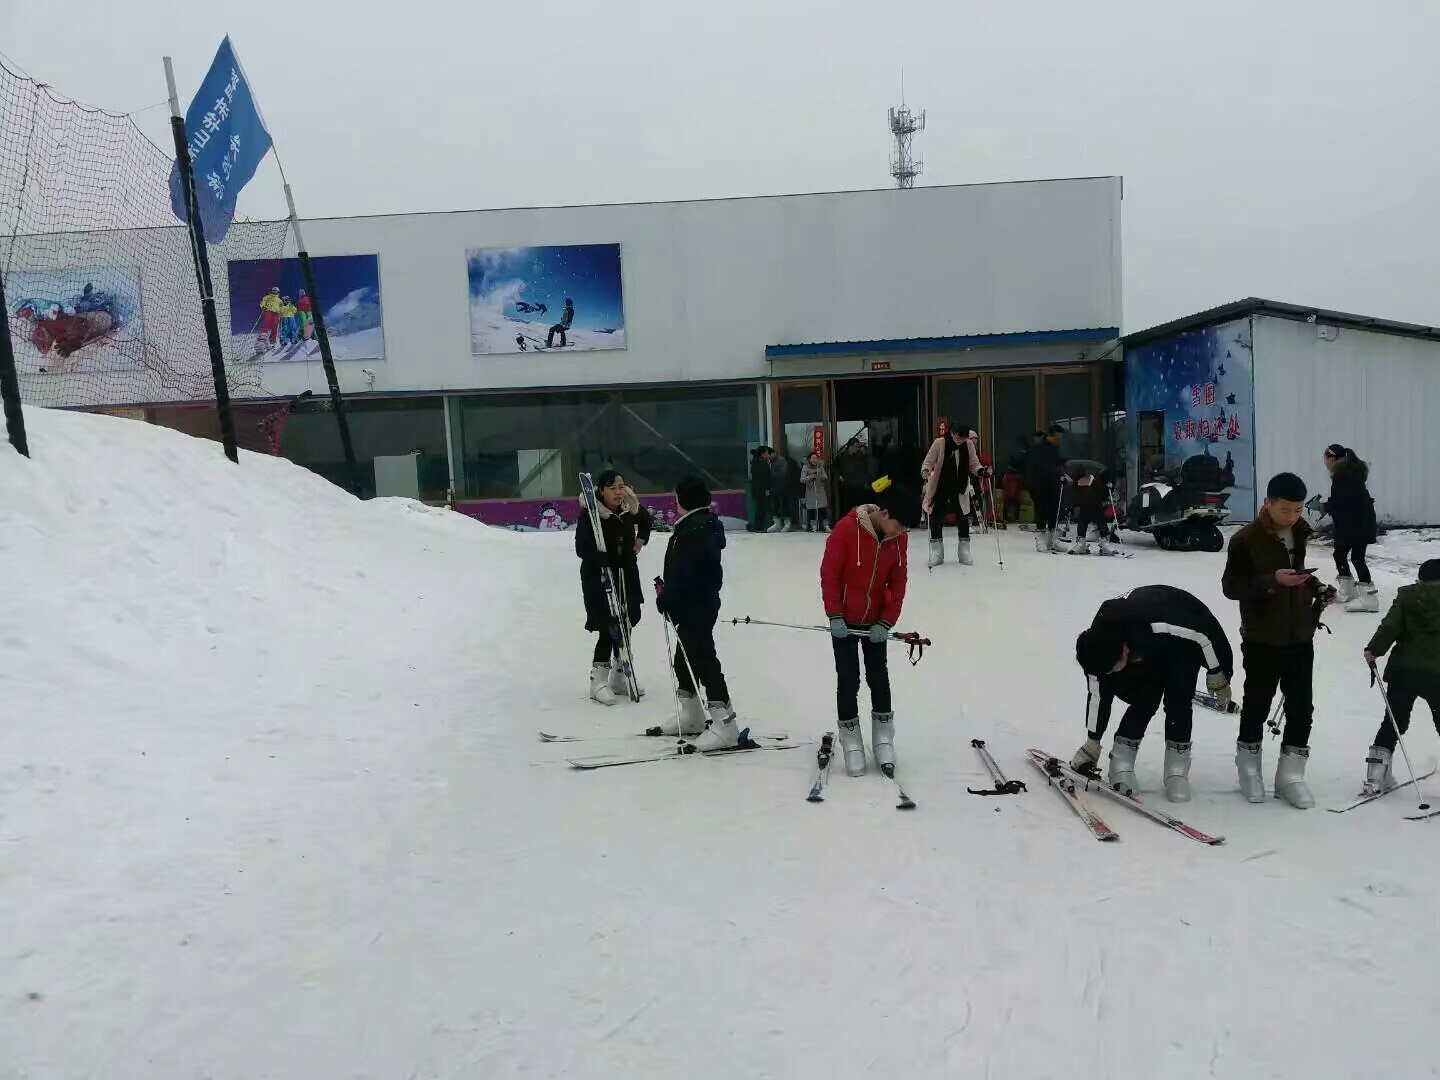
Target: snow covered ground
point(272, 804)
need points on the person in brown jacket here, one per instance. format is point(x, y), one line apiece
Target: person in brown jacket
point(1280, 606)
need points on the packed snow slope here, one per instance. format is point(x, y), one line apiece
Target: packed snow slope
point(272, 804)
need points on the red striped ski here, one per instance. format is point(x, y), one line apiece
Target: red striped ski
point(1055, 777)
point(1094, 783)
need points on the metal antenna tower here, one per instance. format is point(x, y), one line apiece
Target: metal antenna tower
point(904, 165)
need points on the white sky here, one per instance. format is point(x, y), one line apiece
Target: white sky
point(1272, 147)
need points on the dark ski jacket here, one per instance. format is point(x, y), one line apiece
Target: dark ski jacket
point(620, 530)
point(1412, 625)
point(1350, 506)
point(693, 574)
point(1042, 468)
point(760, 474)
point(567, 316)
point(1270, 613)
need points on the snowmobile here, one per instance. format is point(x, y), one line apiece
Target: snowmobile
point(1183, 509)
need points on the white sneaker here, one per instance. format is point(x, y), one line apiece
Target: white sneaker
point(853, 743)
point(600, 691)
point(962, 554)
point(721, 732)
point(688, 717)
point(619, 685)
point(882, 738)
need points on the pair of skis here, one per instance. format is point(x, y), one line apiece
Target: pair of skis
point(823, 758)
point(614, 591)
point(1070, 782)
point(748, 744)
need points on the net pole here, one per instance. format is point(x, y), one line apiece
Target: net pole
point(202, 269)
point(10, 382)
point(327, 358)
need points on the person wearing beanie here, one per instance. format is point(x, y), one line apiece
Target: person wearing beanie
point(1147, 647)
point(1281, 602)
point(1353, 512)
point(862, 584)
point(689, 596)
point(1412, 628)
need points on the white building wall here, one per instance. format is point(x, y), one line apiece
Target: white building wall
point(1376, 393)
point(707, 285)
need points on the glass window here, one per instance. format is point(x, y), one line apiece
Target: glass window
point(958, 401)
point(1012, 407)
point(534, 446)
point(802, 410)
point(383, 427)
point(1067, 403)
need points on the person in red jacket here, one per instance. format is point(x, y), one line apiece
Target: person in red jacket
point(862, 581)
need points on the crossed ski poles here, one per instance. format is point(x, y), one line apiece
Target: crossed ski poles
point(916, 643)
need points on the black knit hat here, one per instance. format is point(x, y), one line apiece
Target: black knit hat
point(1430, 570)
point(1098, 651)
point(691, 493)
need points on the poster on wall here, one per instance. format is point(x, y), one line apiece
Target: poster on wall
point(75, 320)
point(1193, 394)
point(272, 316)
point(540, 299)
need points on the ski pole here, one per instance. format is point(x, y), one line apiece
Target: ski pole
point(917, 643)
point(1399, 738)
point(990, 491)
point(1274, 722)
point(670, 659)
point(1002, 786)
point(685, 655)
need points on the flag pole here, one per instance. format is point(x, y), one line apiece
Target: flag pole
point(202, 268)
point(327, 359)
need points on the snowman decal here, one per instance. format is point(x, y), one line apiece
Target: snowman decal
point(550, 519)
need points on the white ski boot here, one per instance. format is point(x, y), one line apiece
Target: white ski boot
point(1367, 598)
point(776, 526)
point(882, 738)
point(1080, 547)
point(1248, 764)
point(1122, 765)
point(1378, 778)
point(1290, 777)
point(619, 685)
point(1345, 589)
point(1106, 548)
point(688, 718)
point(1087, 757)
point(1177, 771)
point(1042, 540)
point(937, 554)
point(853, 743)
point(600, 685)
point(721, 731)
point(962, 554)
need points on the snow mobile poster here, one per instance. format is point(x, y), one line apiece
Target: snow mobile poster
point(272, 317)
point(76, 320)
point(1194, 394)
point(540, 299)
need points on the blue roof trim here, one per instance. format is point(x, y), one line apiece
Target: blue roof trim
point(1029, 337)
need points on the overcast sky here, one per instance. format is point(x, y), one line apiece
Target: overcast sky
point(1269, 147)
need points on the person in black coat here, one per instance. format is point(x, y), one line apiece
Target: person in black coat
point(1042, 478)
point(1353, 511)
point(625, 528)
point(1091, 491)
point(760, 477)
point(689, 596)
point(1144, 648)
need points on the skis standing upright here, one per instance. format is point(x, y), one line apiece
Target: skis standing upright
point(614, 591)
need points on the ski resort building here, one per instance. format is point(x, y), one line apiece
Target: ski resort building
point(1264, 387)
point(696, 331)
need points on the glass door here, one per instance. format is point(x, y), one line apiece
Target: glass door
point(1013, 420)
point(957, 399)
point(1069, 402)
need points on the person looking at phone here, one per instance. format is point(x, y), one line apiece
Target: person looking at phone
point(1280, 606)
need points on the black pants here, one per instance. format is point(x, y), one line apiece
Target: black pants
point(697, 642)
point(1348, 553)
point(558, 328)
point(1403, 688)
point(1291, 668)
point(816, 518)
point(1145, 689)
point(604, 648)
point(948, 502)
point(760, 497)
point(1091, 503)
point(1045, 500)
point(847, 675)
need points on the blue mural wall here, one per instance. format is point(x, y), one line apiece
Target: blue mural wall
point(1194, 394)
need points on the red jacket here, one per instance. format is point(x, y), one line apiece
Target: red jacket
point(862, 577)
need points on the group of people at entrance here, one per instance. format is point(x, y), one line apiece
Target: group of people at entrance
point(786, 496)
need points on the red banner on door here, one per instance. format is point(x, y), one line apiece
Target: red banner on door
point(817, 440)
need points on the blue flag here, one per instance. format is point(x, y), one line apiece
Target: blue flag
point(227, 140)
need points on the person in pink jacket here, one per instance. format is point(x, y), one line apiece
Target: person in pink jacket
point(947, 471)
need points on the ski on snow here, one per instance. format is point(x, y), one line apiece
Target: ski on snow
point(1361, 800)
point(548, 737)
point(1134, 803)
point(1055, 777)
point(684, 750)
point(822, 768)
point(905, 803)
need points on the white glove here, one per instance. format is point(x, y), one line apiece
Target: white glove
point(1087, 756)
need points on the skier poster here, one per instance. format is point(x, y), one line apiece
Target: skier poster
point(1194, 394)
point(75, 319)
point(540, 299)
point(272, 316)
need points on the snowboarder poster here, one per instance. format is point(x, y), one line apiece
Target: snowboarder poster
point(75, 320)
point(545, 298)
point(272, 316)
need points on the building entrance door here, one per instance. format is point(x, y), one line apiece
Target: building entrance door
point(880, 430)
